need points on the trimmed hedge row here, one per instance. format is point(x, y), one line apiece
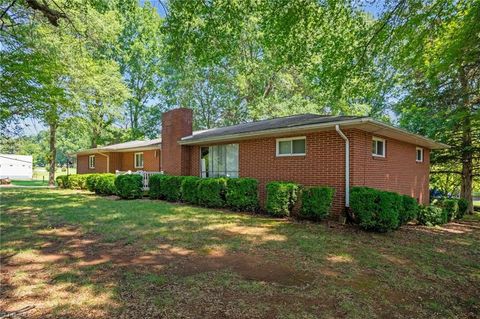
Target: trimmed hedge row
point(381, 211)
point(281, 198)
point(129, 186)
point(316, 202)
point(237, 194)
point(74, 181)
point(102, 184)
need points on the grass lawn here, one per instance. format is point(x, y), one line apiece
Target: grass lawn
point(30, 182)
point(76, 255)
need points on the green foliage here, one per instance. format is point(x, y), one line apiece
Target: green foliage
point(432, 215)
point(154, 186)
point(375, 210)
point(408, 211)
point(105, 184)
point(62, 181)
point(129, 186)
point(92, 182)
point(77, 181)
point(462, 207)
point(281, 198)
point(166, 187)
point(189, 189)
point(242, 194)
point(211, 192)
point(316, 202)
point(450, 206)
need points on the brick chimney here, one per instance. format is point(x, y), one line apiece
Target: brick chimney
point(176, 124)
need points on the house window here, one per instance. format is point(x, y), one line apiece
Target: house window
point(419, 154)
point(219, 160)
point(139, 160)
point(378, 147)
point(91, 161)
point(295, 146)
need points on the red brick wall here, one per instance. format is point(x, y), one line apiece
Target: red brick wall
point(100, 164)
point(122, 161)
point(175, 125)
point(398, 171)
point(324, 164)
point(151, 161)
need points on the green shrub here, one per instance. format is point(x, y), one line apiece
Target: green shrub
point(129, 186)
point(154, 183)
point(62, 181)
point(92, 182)
point(374, 209)
point(462, 207)
point(105, 184)
point(211, 192)
point(242, 194)
point(316, 202)
point(281, 197)
point(77, 181)
point(432, 215)
point(408, 210)
point(170, 188)
point(189, 189)
point(450, 206)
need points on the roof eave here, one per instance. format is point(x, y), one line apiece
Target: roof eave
point(421, 140)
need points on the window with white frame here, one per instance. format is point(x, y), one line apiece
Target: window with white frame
point(378, 147)
point(293, 146)
point(91, 161)
point(138, 160)
point(419, 154)
point(219, 160)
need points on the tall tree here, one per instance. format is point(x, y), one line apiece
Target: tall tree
point(139, 54)
point(435, 48)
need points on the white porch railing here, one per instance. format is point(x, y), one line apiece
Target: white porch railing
point(145, 176)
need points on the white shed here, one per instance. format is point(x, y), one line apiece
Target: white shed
point(16, 166)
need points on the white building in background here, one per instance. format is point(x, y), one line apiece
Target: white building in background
point(16, 166)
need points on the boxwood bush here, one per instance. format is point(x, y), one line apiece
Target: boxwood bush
point(450, 206)
point(129, 186)
point(242, 194)
point(408, 211)
point(189, 189)
point(316, 202)
point(62, 181)
point(281, 197)
point(77, 181)
point(211, 192)
point(105, 184)
point(154, 183)
point(462, 208)
point(92, 182)
point(375, 210)
point(432, 215)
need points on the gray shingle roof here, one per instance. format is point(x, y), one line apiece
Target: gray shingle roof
point(265, 125)
point(131, 144)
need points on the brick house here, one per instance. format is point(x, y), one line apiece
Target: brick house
point(338, 151)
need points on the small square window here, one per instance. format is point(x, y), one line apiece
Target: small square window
point(139, 160)
point(419, 157)
point(91, 161)
point(291, 146)
point(378, 147)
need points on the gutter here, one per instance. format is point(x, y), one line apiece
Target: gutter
point(347, 165)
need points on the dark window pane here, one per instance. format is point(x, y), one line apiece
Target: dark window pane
point(298, 146)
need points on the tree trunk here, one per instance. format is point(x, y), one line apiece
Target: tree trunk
point(53, 154)
point(467, 153)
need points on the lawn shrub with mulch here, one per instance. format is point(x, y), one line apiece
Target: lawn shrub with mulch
point(281, 198)
point(129, 186)
point(316, 202)
point(242, 194)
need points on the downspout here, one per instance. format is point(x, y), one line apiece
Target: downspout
point(108, 161)
point(347, 165)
